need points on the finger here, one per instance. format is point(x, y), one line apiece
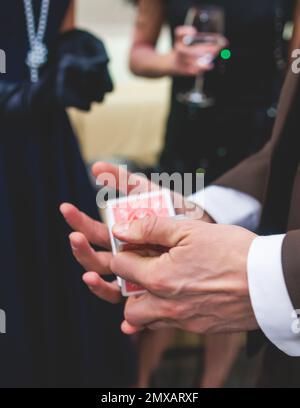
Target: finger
point(88, 257)
point(197, 67)
point(188, 208)
point(160, 325)
point(145, 310)
point(95, 232)
point(191, 53)
point(110, 292)
point(135, 268)
point(183, 31)
point(119, 178)
point(150, 230)
point(129, 330)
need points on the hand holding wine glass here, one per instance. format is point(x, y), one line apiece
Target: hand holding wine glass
point(185, 59)
point(206, 40)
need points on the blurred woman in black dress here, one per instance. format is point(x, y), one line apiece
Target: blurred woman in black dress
point(58, 335)
point(245, 88)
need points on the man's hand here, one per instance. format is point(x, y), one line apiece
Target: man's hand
point(199, 284)
point(88, 231)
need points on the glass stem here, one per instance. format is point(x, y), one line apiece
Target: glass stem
point(199, 83)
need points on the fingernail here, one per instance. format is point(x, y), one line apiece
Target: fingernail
point(73, 246)
point(121, 229)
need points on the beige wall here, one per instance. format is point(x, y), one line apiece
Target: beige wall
point(131, 122)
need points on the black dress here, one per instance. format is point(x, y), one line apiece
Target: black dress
point(58, 334)
point(246, 89)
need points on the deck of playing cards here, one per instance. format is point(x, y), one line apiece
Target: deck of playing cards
point(125, 209)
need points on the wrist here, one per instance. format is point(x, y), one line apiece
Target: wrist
point(168, 65)
point(240, 257)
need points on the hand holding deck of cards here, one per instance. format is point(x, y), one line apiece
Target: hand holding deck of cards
point(184, 271)
point(126, 209)
point(198, 284)
point(88, 231)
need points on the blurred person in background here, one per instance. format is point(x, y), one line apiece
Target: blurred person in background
point(245, 88)
point(58, 335)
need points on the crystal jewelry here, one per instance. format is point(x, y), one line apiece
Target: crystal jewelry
point(37, 55)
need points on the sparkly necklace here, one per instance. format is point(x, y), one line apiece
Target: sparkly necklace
point(37, 55)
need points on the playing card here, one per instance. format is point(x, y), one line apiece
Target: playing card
point(125, 209)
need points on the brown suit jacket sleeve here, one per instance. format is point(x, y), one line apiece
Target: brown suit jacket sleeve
point(251, 177)
point(291, 266)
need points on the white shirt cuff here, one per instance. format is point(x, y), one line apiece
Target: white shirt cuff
point(228, 206)
point(271, 303)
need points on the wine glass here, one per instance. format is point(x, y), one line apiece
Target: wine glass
point(209, 22)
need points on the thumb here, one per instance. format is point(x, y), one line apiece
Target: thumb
point(150, 230)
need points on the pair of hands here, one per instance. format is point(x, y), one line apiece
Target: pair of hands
point(185, 60)
point(199, 283)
